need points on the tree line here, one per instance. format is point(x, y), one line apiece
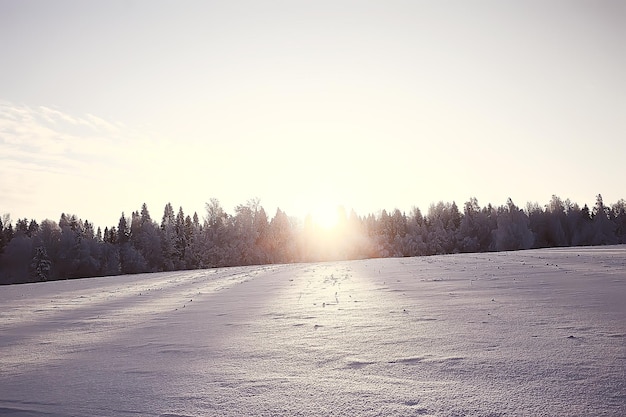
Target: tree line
point(72, 248)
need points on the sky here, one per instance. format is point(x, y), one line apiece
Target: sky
point(307, 105)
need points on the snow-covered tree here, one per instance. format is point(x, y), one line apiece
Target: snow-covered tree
point(416, 233)
point(245, 234)
point(580, 225)
point(443, 221)
point(110, 259)
point(146, 238)
point(131, 259)
point(217, 235)
point(261, 227)
point(281, 238)
point(193, 255)
point(181, 240)
point(168, 238)
point(512, 232)
point(619, 214)
point(603, 225)
point(475, 228)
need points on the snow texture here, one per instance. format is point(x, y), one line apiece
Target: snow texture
point(532, 333)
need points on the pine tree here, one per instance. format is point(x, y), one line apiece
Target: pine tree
point(146, 238)
point(145, 214)
point(33, 228)
point(41, 265)
point(181, 240)
point(168, 238)
point(123, 230)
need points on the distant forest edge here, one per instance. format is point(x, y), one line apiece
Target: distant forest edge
point(71, 248)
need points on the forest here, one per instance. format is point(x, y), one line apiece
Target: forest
point(73, 248)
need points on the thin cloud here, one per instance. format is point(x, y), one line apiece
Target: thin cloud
point(50, 131)
point(51, 161)
point(9, 111)
point(48, 140)
point(54, 116)
point(99, 124)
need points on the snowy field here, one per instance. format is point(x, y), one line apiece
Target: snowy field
point(533, 333)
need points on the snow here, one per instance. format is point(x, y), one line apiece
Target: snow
point(540, 332)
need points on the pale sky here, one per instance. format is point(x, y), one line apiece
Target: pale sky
point(369, 105)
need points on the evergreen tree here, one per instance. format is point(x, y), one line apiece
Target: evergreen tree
point(382, 234)
point(123, 230)
point(110, 236)
point(41, 265)
point(168, 238)
point(145, 214)
point(619, 214)
point(71, 248)
point(21, 226)
point(131, 260)
point(49, 236)
point(146, 238)
point(87, 230)
point(538, 221)
point(68, 254)
point(33, 228)
point(281, 245)
point(181, 240)
point(603, 225)
point(193, 255)
point(580, 225)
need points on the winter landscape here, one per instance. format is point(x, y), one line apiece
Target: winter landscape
point(523, 333)
point(312, 208)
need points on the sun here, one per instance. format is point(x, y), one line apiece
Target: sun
point(325, 216)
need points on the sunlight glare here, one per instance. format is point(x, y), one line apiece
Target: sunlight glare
point(325, 216)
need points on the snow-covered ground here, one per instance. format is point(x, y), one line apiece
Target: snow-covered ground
point(533, 333)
